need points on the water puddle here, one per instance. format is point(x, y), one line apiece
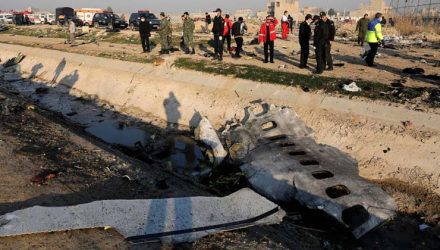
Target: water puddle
point(100, 122)
point(185, 156)
point(181, 153)
point(114, 133)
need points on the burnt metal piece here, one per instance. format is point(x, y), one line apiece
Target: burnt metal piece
point(283, 162)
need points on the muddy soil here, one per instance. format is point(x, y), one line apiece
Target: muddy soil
point(37, 142)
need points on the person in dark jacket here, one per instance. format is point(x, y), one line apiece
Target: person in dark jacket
point(291, 24)
point(324, 34)
point(305, 33)
point(207, 22)
point(145, 33)
point(218, 30)
point(239, 28)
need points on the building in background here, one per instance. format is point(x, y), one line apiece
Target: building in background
point(245, 13)
point(277, 7)
point(311, 10)
point(371, 9)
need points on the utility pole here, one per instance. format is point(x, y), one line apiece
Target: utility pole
point(404, 8)
point(417, 7)
point(429, 9)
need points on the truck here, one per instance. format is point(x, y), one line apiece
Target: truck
point(64, 13)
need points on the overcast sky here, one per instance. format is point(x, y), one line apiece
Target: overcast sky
point(169, 5)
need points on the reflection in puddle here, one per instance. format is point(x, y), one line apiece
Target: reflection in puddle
point(181, 153)
point(111, 132)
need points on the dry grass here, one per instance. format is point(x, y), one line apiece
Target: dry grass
point(414, 25)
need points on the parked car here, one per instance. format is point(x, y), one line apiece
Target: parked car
point(35, 19)
point(6, 18)
point(135, 18)
point(105, 20)
point(87, 14)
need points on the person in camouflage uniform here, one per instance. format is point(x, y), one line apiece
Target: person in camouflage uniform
point(362, 27)
point(165, 34)
point(188, 33)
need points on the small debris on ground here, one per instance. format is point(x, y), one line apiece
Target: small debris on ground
point(44, 177)
point(352, 87)
point(407, 124)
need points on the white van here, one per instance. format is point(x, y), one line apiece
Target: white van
point(50, 19)
point(47, 18)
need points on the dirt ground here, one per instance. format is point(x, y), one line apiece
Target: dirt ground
point(82, 169)
point(390, 62)
point(37, 142)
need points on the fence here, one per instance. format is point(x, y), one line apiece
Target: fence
point(422, 8)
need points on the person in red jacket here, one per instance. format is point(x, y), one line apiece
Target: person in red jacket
point(268, 37)
point(227, 32)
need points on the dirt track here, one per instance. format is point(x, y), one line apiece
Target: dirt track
point(390, 62)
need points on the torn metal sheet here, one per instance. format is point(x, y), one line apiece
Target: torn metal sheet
point(283, 162)
point(205, 133)
point(169, 220)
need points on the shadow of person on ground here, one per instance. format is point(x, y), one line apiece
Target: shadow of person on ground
point(70, 79)
point(35, 69)
point(58, 70)
point(171, 106)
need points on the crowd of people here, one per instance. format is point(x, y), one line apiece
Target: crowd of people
point(223, 29)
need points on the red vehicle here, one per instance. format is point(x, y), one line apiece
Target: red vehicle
point(26, 18)
point(34, 18)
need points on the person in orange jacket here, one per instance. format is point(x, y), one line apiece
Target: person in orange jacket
point(285, 25)
point(227, 32)
point(268, 37)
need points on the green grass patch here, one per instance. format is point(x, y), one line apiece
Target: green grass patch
point(48, 33)
point(127, 57)
point(372, 90)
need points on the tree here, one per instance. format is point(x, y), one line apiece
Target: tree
point(331, 12)
point(109, 9)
